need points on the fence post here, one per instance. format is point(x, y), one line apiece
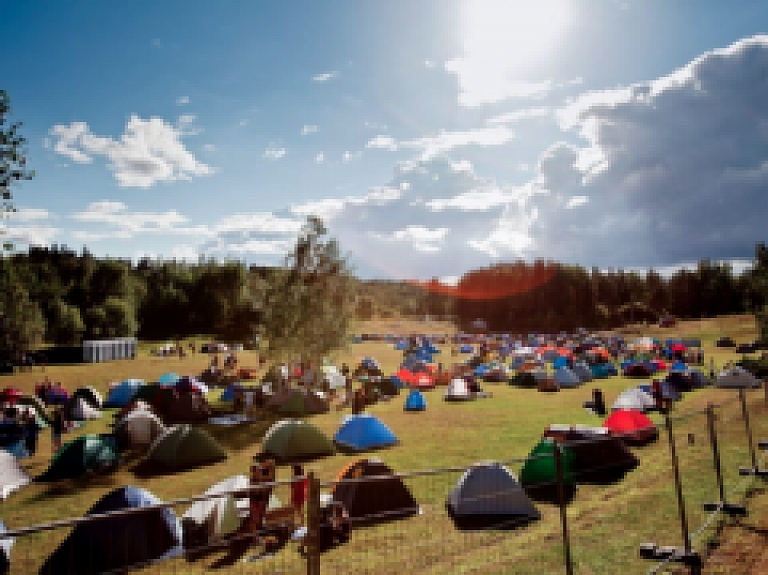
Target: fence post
point(312, 538)
point(715, 451)
point(562, 504)
point(745, 415)
point(678, 485)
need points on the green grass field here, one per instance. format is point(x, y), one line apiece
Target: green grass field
point(607, 523)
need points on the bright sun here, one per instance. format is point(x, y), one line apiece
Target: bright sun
point(504, 42)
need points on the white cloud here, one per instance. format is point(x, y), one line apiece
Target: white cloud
point(519, 115)
point(28, 215)
point(150, 151)
point(273, 153)
point(121, 223)
point(21, 236)
point(243, 122)
point(182, 100)
point(319, 158)
point(348, 156)
point(420, 238)
point(576, 201)
point(383, 143)
point(325, 77)
point(378, 126)
point(431, 146)
point(429, 63)
point(308, 129)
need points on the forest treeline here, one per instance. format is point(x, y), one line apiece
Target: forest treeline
point(62, 297)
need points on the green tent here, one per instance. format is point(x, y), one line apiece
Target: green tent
point(539, 473)
point(293, 402)
point(184, 447)
point(296, 439)
point(87, 453)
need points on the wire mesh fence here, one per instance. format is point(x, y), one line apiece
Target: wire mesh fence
point(573, 507)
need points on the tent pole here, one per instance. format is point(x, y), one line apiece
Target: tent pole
point(745, 415)
point(678, 485)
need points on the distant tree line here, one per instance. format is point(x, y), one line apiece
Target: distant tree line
point(62, 297)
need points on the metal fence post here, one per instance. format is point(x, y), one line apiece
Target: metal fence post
point(563, 504)
point(678, 485)
point(745, 415)
point(715, 451)
point(312, 541)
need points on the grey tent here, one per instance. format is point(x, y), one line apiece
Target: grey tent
point(138, 429)
point(488, 495)
point(79, 409)
point(564, 377)
point(737, 377)
point(634, 398)
point(12, 476)
point(582, 371)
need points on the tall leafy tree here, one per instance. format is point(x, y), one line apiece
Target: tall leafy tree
point(307, 306)
point(21, 322)
point(13, 158)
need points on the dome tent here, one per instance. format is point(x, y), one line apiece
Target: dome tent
point(632, 426)
point(565, 377)
point(138, 429)
point(458, 390)
point(539, 473)
point(415, 401)
point(737, 377)
point(185, 447)
point(488, 495)
point(122, 394)
point(115, 543)
point(12, 476)
point(375, 500)
point(87, 453)
point(91, 395)
point(296, 439)
point(294, 402)
point(634, 398)
point(362, 432)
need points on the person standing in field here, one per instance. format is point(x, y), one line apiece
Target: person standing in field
point(57, 429)
point(299, 489)
point(31, 430)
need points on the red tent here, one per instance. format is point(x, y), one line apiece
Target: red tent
point(677, 348)
point(633, 426)
point(10, 395)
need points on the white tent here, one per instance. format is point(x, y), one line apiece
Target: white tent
point(12, 476)
point(81, 410)
point(458, 390)
point(634, 398)
point(737, 377)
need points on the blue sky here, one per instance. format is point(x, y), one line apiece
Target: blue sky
point(433, 137)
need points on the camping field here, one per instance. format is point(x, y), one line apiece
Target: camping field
point(606, 523)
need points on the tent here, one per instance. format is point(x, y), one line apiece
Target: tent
point(599, 457)
point(637, 370)
point(122, 394)
point(229, 393)
point(539, 473)
point(189, 383)
point(116, 543)
point(187, 407)
point(523, 379)
point(185, 447)
point(12, 438)
point(362, 432)
point(138, 429)
point(86, 454)
point(458, 390)
point(34, 402)
point(296, 439)
point(79, 409)
point(737, 377)
point(634, 398)
point(632, 426)
point(12, 476)
point(158, 397)
point(90, 395)
point(168, 378)
point(725, 341)
point(564, 377)
point(294, 402)
point(136, 405)
point(211, 519)
point(5, 549)
point(582, 371)
point(415, 401)
point(488, 495)
point(373, 500)
point(10, 395)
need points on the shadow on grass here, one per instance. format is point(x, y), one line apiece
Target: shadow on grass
point(68, 487)
point(242, 435)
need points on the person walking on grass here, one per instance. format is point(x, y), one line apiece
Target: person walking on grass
point(57, 429)
point(31, 430)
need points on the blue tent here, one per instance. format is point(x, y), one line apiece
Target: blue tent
point(466, 349)
point(169, 378)
point(678, 366)
point(364, 431)
point(415, 401)
point(401, 345)
point(560, 361)
point(229, 392)
point(482, 369)
point(599, 370)
point(122, 394)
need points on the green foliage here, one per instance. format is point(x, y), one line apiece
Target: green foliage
point(13, 158)
point(307, 306)
point(21, 322)
point(65, 325)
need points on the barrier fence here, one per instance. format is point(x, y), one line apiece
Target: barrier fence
point(695, 481)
